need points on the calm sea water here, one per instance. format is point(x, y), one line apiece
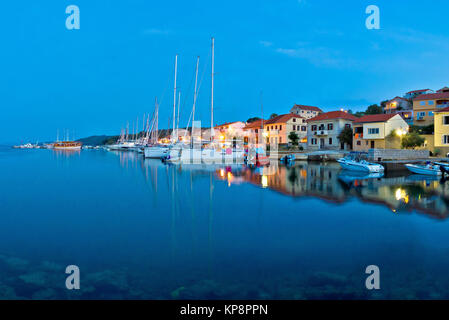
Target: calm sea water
point(139, 229)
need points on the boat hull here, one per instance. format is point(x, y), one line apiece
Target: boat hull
point(67, 148)
point(155, 152)
point(355, 166)
point(423, 170)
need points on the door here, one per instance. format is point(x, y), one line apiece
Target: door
point(321, 143)
point(372, 144)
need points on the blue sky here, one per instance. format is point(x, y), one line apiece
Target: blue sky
point(315, 52)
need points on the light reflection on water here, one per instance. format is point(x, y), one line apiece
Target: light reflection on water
point(144, 230)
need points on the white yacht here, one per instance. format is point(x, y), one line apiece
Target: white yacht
point(156, 151)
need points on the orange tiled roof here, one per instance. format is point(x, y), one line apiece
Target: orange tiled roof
point(226, 124)
point(254, 125)
point(416, 91)
point(334, 115)
point(310, 108)
point(397, 97)
point(282, 118)
point(443, 110)
point(375, 118)
point(432, 96)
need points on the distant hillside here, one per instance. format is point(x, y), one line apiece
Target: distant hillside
point(104, 140)
point(95, 140)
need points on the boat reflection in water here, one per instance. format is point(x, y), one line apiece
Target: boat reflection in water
point(424, 194)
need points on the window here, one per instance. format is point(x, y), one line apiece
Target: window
point(303, 128)
point(430, 102)
point(257, 130)
point(359, 142)
point(314, 141)
point(294, 127)
point(421, 114)
point(422, 103)
point(373, 130)
point(445, 139)
point(314, 127)
point(366, 143)
point(280, 127)
point(348, 126)
point(330, 141)
point(276, 127)
point(446, 120)
point(330, 126)
point(294, 119)
point(321, 127)
point(430, 113)
point(280, 139)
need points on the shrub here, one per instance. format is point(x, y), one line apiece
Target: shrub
point(412, 140)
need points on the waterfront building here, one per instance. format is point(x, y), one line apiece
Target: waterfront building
point(278, 129)
point(230, 130)
point(306, 112)
point(373, 132)
point(441, 136)
point(401, 106)
point(324, 129)
point(252, 132)
point(425, 105)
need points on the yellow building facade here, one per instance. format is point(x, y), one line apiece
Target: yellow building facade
point(425, 105)
point(441, 136)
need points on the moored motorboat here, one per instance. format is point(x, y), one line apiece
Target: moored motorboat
point(360, 165)
point(427, 169)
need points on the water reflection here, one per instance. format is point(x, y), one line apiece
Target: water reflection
point(326, 181)
point(425, 194)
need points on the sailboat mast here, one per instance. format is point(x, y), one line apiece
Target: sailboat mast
point(212, 133)
point(179, 104)
point(174, 98)
point(194, 100)
point(157, 121)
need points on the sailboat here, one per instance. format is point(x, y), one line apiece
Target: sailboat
point(155, 150)
point(213, 153)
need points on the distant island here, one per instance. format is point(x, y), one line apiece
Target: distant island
point(107, 140)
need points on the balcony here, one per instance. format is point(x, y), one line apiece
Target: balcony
point(419, 118)
point(321, 133)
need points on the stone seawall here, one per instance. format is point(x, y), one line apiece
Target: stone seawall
point(397, 154)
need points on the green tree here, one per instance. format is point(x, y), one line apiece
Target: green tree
point(345, 136)
point(423, 129)
point(383, 104)
point(294, 138)
point(273, 115)
point(412, 140)
point(252, 119)
point(374, 109)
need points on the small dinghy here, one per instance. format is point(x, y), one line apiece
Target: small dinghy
point(427, 169)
